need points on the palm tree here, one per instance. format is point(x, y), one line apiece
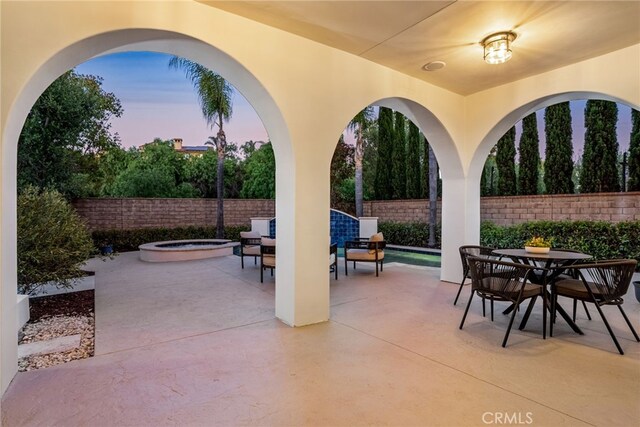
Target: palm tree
point(358, 125)
point(214, 93)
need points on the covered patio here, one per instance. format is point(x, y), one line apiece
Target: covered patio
point(197, 343)
point(383, 350)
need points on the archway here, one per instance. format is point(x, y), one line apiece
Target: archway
point(506, 122)
point(69, 57)
point(453, 176)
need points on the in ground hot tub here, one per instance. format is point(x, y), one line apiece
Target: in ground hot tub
point(185, 250)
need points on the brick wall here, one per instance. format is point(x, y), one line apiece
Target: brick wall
point(127, 213)
point(102, 214)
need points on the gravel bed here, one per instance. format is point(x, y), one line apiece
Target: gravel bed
point(57, 316)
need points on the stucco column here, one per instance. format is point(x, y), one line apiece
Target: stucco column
point(8, 271)
point(460, 223)
point(302, 229)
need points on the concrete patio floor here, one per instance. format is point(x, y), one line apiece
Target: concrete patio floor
point(197, 343)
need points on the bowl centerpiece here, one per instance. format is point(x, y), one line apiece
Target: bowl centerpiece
point(538, 245)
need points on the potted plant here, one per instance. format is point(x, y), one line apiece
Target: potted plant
point(538, 245)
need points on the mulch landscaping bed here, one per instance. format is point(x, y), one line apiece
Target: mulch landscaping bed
point(71, 304)
point(55, 316)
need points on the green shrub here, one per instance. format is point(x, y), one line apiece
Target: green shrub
point(408, 234)
point(603, 240)
point(52, 240)
point(129, 240)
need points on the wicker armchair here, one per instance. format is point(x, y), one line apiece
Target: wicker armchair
point(249, 246)
point(503, 281)
point(371, 250)
point(333, 259)
point(267, 256)
point(465, 252)
point(573, 274)
point(600, 283)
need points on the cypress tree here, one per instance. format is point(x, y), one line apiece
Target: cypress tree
point(634, 152)
point(399, 166)
point(506, 164)
point(424, 193)
point(383, 182)
point(413, 162)
point(558, 163)
point(600, 159)
point(529, 156)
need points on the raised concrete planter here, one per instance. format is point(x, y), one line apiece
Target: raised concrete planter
point(80, 284)
point(261, 225)
point(185, 250)
point(368, 226)
point(22, 310)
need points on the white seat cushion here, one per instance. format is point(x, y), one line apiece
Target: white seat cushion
point(332, 258)
point(250, 235)
point(269, 261)
point(363, 255)
point(251, 250)
point(268, 242)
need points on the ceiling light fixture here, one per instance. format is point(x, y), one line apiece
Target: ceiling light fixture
point(434, 66)
point(497, 47)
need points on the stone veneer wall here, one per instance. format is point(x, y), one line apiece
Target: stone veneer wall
point(103, 214)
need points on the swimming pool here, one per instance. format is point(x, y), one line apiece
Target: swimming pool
point(400, 254)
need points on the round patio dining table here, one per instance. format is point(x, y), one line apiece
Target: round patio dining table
point(553, 264)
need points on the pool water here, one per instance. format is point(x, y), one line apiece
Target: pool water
point(391, 255)
point(406, 257)
point(412, 258)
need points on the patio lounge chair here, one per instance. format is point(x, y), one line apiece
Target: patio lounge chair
point(371, 250)
point(267, 256)
point(600, 283)
point(249, 246)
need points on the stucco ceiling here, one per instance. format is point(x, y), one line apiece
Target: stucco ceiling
point(405, 35)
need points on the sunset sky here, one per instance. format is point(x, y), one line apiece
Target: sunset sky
point(160, 102)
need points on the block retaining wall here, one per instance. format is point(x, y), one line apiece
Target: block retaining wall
point(104, 214)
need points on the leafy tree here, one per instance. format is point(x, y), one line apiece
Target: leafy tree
point(383, 181)
point(260, 174)
point(65, 131)
point(399, 160)
point(157, 171)
point(600, 158)
point(342, 169)
point(529, 156)
point(201, 172)
point(50, 247)
point(414, 181)
point(359, 125)
point(214, 93)
point(111, 164)
point(634, 152)
point(558, 164)
point(506, 164)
